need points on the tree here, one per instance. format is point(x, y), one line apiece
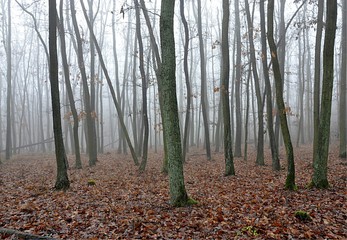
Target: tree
point(290, 180)
point(260, 144)
point(144, 90)
point(91, 138)
point(224, 91)
point(9, 85)
point(186, 76)
point(78, 162)
point(343, 85)
point(320, 178)
point(317, 77)
point(204, 100)
point(238, 79)
point(274, 148)
point(62, 181)
point(167, 89)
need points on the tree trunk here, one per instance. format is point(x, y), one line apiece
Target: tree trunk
point(260, 145)
point(186, 76)
point(9, 84)
point(343, 85)
point(290, 181)
point(78, 162)
point(113, 94)
point(62, 181)
point(320, 178)
point(204, 99)
point(269, 106)
point(224, 92)
point(144, 90)
point(167, 87)
point(91, 138)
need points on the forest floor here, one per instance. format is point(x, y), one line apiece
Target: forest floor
point(124, 204)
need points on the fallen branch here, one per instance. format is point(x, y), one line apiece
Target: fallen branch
point(23, 235)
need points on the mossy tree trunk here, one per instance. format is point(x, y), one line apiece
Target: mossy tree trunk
point(320, 163)
point(167, 89)
point(62, 181)
point(290, 180)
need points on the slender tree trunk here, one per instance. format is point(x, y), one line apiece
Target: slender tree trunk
point(9, 84)
point(78, 162)
point(144, 111)
point(91, 138)
point(320, 173)
point(290, 181)
point(204, 99)
point(269, 106)
point(62, 181)
point(343, 85)
point(113, 94)
point(224, 91)
point(317, 77)
point(238, 78)
point(260, 145)
point(186, 76)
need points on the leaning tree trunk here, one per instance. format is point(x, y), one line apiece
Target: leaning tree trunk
point(260, 105)
point(274, 148)
point(62, 181)
point(78, 162)
point(290, 181)
point(91, 138)
point(320, 178)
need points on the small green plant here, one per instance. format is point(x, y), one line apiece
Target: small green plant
point(250, 231)
point(303, 216)
point(91, 182)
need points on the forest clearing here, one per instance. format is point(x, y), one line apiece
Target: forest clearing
point(113, 200)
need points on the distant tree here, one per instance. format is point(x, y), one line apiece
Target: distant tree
point(204, 100)
point(186, 76)
point(224, 91)
point(144, 90)
point(167, 88)
point(91, 137)
point(62, 181)
point(320, 163)
point(260, 143)
point(238, 79)
point(290, 181)
point(343, 84)
point(9, 84)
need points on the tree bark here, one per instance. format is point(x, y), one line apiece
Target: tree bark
point(224, 92)
point(62, 181)
point(290, 180)
point(167, 87)
point(320, 173)
point(343, 85)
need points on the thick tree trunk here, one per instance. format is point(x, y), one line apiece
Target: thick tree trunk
point(320, 174)
point(167, 87)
